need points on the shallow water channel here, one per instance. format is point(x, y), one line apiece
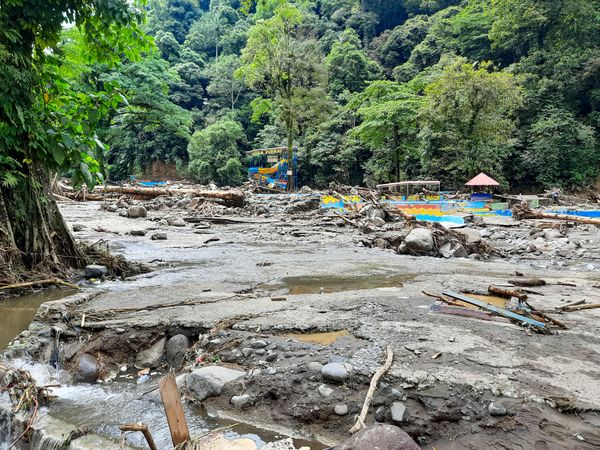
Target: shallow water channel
point(101, 408)
point(17, 313)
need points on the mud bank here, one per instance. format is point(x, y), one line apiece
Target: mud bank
point(301, 315)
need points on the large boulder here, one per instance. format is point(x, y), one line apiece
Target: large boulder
point(209, 381)
point(151, 357)
point(380, 437)
point(419, 240)
point(136, 211)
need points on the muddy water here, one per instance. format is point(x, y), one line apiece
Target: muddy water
point(326, 338)
point(328, 284)
point(16, 313)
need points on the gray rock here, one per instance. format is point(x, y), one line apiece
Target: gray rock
point(378, 221)
point(453, 249)
point(325, 391)
point(247, 351)
point(176, 348)
point(151, 357)
point(95, 271)
point(133, 212)
point(239, 401)
point(336, 371)
point(380, 414)
point(419, 240)
point(398, 409)
point(78, 227)
point(381, 437)
point(258, 344)
point(122, 204)
point(341, 409)
point(111, 208)
point(261, 351)
point(473, 236)
point(272, 357)
point(87, 368)
point(122, 212)
point(160, 236)
point(315, 366)
point(209, 381)
point(138, 232)
point(497, 410)
point(179, 222)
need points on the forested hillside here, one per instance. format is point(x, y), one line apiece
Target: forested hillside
point(370, 91)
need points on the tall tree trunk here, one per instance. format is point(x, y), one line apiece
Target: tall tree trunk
point(32, 227)
point(290, 151)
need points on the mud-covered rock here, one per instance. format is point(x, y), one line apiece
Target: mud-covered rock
point(133, 212)
point(209, 381)
point(160, 236)
point(176, 348)
point(380, 437)
point(419, 240)
point(151, 357)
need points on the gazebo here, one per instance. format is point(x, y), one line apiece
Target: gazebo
point(482, 180)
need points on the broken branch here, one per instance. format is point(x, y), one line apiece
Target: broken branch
point(143, 428)
point(360, 422)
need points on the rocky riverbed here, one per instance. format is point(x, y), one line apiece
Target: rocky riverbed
point(279, 314)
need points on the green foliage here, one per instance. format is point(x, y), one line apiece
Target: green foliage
point(44, 119)
point(317, 74)
point(287, 70)
point(224, 86)
point(349, 67)
point(562, 151)
point(172, 16)
point(388, 111)
point(150, 127)
point(214, 153)
point(468, 123)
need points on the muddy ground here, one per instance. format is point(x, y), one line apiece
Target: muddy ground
point(284, 293)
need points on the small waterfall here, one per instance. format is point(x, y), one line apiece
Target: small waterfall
point(7, 428)
point(51, 434)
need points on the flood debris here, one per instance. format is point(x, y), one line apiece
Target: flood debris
point(140, 427)
point(360, 421)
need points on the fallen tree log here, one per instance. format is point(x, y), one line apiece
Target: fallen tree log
point(232, 197)
point(523, 211)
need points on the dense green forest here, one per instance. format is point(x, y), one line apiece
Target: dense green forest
point(369, 90)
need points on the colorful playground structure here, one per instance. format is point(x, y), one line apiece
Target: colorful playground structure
point(430, 204)
point(277, 175)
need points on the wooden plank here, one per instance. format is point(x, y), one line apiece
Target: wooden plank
point(173, 409)
point(501, 311)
